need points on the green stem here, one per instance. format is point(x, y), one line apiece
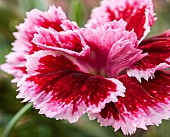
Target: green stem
point(15, 119)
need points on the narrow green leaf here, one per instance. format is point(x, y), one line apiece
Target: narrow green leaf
point(15, 119)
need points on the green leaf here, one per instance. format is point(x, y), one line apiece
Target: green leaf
point(15, 119)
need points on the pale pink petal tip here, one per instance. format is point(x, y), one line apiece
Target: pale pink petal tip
point(146, 74)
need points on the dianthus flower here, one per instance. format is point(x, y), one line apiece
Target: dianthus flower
point(105, 70)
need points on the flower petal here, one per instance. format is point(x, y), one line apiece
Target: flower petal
point(113, 49)
point(123, 55)
point(138, 14)
point(144, 104)
point(60, 89)
point(54, 18)
point(15, 65)
point(46, 61)
point(158, 50)
point(69, 41)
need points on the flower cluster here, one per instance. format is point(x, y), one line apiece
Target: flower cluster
point(105, 69)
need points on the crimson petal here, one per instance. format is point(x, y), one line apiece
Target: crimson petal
point(138, 14)
point(60, 89)
point(158, 58)
point(145, 103)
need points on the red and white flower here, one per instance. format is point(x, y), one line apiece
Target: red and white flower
point(106, 69)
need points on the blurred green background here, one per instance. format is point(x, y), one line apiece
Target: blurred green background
point(12, 12)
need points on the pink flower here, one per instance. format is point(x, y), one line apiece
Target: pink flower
point(106, 70)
